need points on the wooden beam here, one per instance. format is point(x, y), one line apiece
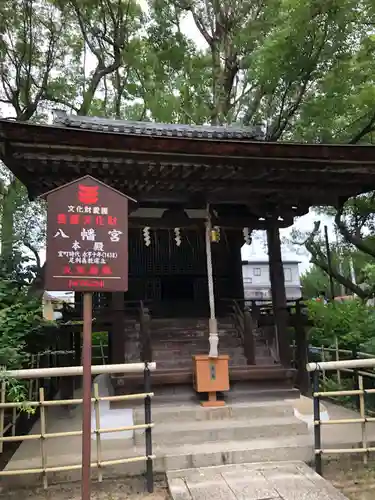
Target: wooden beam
point(223, 222)
point(146, 163)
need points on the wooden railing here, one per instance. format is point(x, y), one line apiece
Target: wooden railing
point(243, 322)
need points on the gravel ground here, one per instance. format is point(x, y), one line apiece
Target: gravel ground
point(130, 488)
point(352, 478)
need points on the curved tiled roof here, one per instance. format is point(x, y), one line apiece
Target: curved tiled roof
point(156, 129)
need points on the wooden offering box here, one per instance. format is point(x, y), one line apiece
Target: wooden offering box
point(211, 375)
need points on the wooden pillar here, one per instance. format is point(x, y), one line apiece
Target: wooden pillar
point(277, 280)
point(117, 342)
point(249, 340)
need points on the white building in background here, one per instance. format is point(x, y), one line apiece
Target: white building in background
point(256, 278)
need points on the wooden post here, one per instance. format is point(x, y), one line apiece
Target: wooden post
point(117, 342)
point(66, 383)
point(278, 294)
point(337, 350)
point(303, 379)
point(86, 405)
point(255, 312)
point(249, 340)
point(145, 331)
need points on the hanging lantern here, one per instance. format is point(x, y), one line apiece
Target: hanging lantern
point(147, 236)
point(215, 234)
point(177, 236)
point(247, 235)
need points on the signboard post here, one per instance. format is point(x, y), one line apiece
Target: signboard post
point(87, 251)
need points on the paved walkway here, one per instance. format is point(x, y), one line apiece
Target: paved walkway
point(265, 481)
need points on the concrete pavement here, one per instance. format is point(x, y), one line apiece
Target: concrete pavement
point(264, 481)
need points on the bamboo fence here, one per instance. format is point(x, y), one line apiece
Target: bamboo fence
point(356, 366)
point(42, 404)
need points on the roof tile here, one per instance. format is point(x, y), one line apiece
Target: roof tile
point(159, 129)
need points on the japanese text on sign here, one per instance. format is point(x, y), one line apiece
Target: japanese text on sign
point(87, 237)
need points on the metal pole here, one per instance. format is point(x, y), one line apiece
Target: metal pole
point(339, 256)
point(148, 432)
point(213, 338)
point(317, 426)
point(329, 262)
point(86, 420)
point(352, 272)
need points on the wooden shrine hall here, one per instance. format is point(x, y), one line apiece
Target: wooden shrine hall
point(183, 176)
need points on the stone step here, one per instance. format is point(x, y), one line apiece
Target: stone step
point(186, 456)
point(261, 409)
point(283, 449)
point(170, 434)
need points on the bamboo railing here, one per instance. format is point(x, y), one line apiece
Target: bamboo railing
point(357, 366)
point(42, 404)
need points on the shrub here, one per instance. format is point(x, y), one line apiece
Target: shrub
point(21, 333)
point(352, 322)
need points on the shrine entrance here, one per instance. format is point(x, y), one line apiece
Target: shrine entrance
point(177, 289)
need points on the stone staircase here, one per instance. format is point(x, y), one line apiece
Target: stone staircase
point(250, 429)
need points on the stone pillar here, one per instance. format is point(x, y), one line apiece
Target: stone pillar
point(280, 312)
point(117, 342)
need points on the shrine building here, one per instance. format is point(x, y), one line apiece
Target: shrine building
point(183, 177)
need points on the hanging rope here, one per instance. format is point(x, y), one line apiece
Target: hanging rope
point(210, 277)
point(213, 335)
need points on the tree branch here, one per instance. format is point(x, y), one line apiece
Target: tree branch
point(369, 127)
point(355, 240)
point(35, 253)
point(320, 259)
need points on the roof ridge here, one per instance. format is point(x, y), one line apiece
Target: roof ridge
point(156, 128)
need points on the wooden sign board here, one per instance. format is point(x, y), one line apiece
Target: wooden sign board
point(87, 238)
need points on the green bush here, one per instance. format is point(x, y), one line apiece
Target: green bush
point(21, 333)
point(99, 338)
point(352, 322)
point(21, 323)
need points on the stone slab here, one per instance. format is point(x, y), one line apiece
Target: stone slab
point(262, 481)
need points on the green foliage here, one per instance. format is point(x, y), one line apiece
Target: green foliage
point(352, 322)
point(315, 281)
point(331, 384)
point(16, 392)
point(99, 338)
point(21, 324)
